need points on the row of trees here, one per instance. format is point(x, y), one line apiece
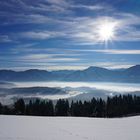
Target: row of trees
point(116, 106)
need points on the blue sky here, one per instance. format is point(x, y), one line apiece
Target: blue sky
point(65, 34)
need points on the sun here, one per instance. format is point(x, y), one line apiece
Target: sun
point(106, 31)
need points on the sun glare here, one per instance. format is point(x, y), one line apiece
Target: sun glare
point(106, 31)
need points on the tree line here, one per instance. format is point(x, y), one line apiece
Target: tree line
point(117, 106)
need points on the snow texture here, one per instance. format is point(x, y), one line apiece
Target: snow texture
point(68, 128)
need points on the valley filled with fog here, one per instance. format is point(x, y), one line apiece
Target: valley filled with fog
point(114, 87)
point(10, 91)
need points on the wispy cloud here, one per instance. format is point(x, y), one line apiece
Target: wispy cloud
point(58, 2)
point(60, 67)
point(113, 51)
point(44, 58)
point(5, 38)
point(57, 62)
point(41, 35)
point(89, 7)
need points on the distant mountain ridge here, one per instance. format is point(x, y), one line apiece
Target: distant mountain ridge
point(129, 75)
point(32, 91)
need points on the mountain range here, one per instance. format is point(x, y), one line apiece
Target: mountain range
point(98, 74)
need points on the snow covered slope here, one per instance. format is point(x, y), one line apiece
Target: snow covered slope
point(68, 128)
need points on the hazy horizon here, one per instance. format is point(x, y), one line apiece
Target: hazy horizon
point(74, 69)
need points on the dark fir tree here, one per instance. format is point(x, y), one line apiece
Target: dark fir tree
point(19, 106)
point(117, 106)
point(62, 108)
